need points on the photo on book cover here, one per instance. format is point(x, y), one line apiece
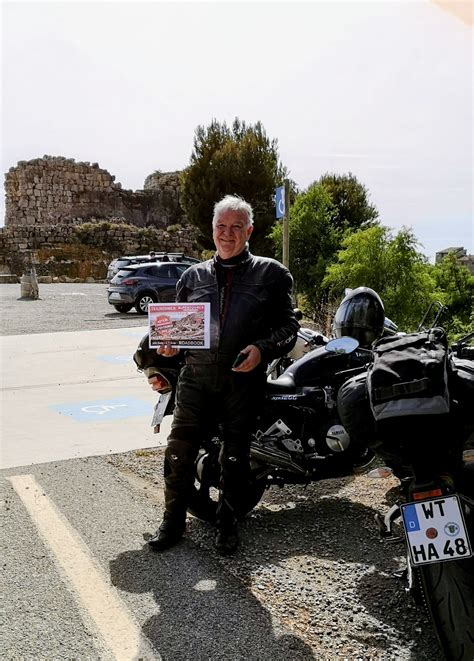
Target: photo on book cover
point(182, 325)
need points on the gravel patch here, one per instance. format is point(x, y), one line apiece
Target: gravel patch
point(313, 558)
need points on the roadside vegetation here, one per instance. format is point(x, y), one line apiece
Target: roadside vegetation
point(337, 240)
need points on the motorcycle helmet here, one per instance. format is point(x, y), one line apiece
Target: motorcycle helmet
point(361, 316)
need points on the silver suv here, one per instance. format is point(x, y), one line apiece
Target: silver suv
point(121, 262)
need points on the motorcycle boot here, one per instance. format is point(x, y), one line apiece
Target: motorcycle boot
point(235, 469)
point(179, 478)
point(227, 539)
point(168, 534)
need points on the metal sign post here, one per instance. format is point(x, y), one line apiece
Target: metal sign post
point(282, 210)
point(286, 233)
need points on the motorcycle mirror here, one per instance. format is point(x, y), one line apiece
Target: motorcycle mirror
point(342, 345)
point(390, 325)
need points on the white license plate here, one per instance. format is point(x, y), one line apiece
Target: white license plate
point(115, 297)
point(160, 408)
point(435, 530)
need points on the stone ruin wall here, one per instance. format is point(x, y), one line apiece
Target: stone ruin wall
point(53, 190)
point(83, 251)
point(72, 218)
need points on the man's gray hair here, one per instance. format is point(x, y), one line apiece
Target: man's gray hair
point(232, 203)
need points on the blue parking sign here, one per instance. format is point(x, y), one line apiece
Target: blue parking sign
point(280, 202)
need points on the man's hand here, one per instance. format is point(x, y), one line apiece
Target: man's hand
point(155, 383)
point(254, 357)
point(167, 351)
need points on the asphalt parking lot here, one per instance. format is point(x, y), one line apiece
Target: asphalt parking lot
point(312, 580)
point(61, 307)
point(69, 385)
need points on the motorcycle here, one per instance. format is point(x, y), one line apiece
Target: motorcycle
point(307, 340)
point(434, 516)
point(297, 437)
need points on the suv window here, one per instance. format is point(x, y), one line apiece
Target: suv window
point(179, 269)
point(120, 263)
point(156, 271)
point(123, 273)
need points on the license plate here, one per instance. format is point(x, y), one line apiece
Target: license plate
point(435, 530)
point(160, 408)
point(115, 297)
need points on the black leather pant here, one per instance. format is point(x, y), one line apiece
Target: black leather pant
point(208, 395)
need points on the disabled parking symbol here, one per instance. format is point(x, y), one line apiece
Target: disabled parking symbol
point(104, 410)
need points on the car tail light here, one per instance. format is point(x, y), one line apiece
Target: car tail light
point(130, 281)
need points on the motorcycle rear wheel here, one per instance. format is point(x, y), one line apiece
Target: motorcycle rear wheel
point(204, 499)
point(448, 589)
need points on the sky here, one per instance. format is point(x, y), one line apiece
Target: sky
point(382, 89)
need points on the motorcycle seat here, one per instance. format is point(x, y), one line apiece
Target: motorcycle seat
point(284, 384)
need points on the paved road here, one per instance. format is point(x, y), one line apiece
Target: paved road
point(80, 582)
point(311, 581)
point(61, 307)
point(67, 390)
point(73, 394)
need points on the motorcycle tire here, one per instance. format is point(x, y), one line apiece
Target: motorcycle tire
point(448, 589)
point(203, 503)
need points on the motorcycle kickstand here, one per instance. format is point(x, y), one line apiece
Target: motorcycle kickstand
point(385, 524)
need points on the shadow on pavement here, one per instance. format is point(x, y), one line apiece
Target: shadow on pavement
point(342, 531)
point(203, 612)
point(207, 609)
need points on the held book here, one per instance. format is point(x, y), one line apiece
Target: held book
point(182, 325)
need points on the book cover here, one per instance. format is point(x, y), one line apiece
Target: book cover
point(182, 325)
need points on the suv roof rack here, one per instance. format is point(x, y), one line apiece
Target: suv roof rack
point(165, 252)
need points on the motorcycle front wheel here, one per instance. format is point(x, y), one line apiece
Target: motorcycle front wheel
point(204, 498)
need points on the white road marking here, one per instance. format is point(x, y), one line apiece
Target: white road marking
point(116, 627)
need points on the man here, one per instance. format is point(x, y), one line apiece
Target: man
point(251, 314)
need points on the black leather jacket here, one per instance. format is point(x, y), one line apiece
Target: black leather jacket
point(259, 310)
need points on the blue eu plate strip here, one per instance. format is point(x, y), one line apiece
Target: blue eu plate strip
point(410, 518)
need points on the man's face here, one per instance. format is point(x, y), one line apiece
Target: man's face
point(231, 233)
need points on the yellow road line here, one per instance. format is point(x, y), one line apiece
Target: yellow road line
point(114, 624)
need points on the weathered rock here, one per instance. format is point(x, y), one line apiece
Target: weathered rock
point(49, 200)
point(56, 190)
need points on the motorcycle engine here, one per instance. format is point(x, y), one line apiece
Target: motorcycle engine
point(299, 438)
point(337, 438)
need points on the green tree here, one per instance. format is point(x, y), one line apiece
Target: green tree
point(351, 201)
point(237, 160)
point(330, 209)
point(455, 289)
point(314, 241)
point(389, 264)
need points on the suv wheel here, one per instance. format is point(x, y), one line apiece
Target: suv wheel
point(143, 301)
point(123, 308)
